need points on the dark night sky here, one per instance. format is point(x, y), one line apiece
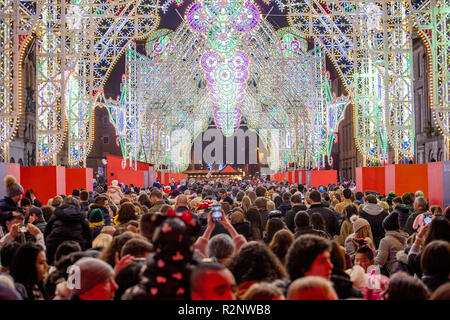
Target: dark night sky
point(171, 20)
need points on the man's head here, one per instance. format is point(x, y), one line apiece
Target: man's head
point(347, 193)
point(260, 191)
point(420, 204)
point(147, 225)
point(309, 255)
point(96, 279)
point(315, 197)
point(408, 198)
point(137, 247)
point(14, 220)
point(14, 190)
point(222, 193)
point(220, 246)
point(155, 196)
point(84, 196)
point(286, 197)
point(396, 201)
point(359, 195)
point(212, 281)
point(364, 257)
point(34, 213)
point(25, 204)
point(302, 219)
point(261, 203)
point(371, 199)
point(181, 201)
point(296, 199)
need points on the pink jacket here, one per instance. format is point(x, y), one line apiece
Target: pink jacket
point(202, 243)
point(115, 193)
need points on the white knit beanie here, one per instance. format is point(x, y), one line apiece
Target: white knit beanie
point(360, 223)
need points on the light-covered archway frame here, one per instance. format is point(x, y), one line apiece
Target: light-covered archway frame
point(78, 42)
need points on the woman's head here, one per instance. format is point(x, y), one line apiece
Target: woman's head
point(108, 253)
point(349, 211)
point(311, 288)
point(56, 201)
point(237, 217)
point(66, 248)
point(102, 240)
point(246, 203)
point(402, 286)
point(337, 256)
point(436, 210)
point(281, 241)
point(71, 201)
point(126, 213)
point(263, 291)
point(255, 261)
point(252, 196)
point(273, 225)
point(439, 230)
point(254, 217)
point(270, 205)
point(435, 260)
point(362, 228)
point(29, 264)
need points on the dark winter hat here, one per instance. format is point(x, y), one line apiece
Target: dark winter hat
point(76, 192)
point(12, 187)
point(92, 272)
point(390, 223)
point(96, 218)
point(390, 197)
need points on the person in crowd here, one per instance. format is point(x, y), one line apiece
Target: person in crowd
point(263, 291)
point(246, 204)
point(273, 225)
point(285, 206)
point(212, 281)
point(240, 224)
point(220, 248)
point(68, 222)
point(126, 213)
point(252, 195)
point(96, 222)
point(347, 226)
point(167, 271)
point(311, 288)
point(281, 242)
point(362, 236)
point(256, 228)
point(84, 201)
point(101, 202)
point(303, 226)
point(375, 215)
point(28, 268)
point(261, 205)
point(102, 241)
point(128, 277)
point(435, 264)
point(403, 287)
point(36, 217)
point(201, 244)
point(115, 192)
point(364, 257)
point(309, 255)
point(16, 230)
point(330, 217)
point(30, 195)
point(181, 203)
point(109, 253)
point(9, 204)
point(318, 223)
point(297, 205)
point(47, 211)
point(7, 254)
point(420, 207)
point(438, 229)
point(255, 263)
point(138, 248)
point(25, 205)
point(96, 280)
point(144, 200)
point(394, 241)
point(346, 199)
point(436, 210)
point(66, 248)
point(156, 198)
point(56, 202)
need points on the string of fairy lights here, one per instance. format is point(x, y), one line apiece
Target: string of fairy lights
point(225, 63)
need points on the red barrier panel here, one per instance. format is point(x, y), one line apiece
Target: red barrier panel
point(371, 178)
point(435, 183)
point(401, 178)
point(323, 177)
point(77, 178)
point(125, 175)
point(46, 181)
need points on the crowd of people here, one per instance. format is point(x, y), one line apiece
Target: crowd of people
point(223, 240)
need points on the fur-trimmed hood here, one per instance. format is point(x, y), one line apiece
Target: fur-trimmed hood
point(402, 256)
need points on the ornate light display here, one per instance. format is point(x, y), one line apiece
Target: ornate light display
point(227, 63)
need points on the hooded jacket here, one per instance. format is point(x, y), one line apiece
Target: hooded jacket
point(403, 214)
point(67, 223)
point(393, 242)
point(290, 216)
point(375, 214)
point(115, 193)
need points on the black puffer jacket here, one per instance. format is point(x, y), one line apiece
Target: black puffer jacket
point(67, 223)
point(290, 216)
point(375, 215)
point(7, 206)
point(343, 285)
point(284, 208)
point(330, 217)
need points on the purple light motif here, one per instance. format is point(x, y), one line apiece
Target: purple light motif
point(237, 117)
point(210, 78)
point(210, 60)
point(198, 19)
point(239, 61)
point(241, 76)
point(247, 19)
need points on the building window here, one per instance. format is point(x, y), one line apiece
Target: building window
point(105, 140)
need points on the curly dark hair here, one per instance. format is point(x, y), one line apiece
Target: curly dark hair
point(257, 262)
point(126, 213)
point(303, 252)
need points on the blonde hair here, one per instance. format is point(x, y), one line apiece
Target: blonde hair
point(270, 205)
point(252, 196)
point(365, 232)
point(102, 240)
point(384, 205)
point(246, 203)
point(311, 288)
point(237, 216)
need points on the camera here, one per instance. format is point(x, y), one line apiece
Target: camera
point(216, 213)
point(23, 229)
point(427, 219)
